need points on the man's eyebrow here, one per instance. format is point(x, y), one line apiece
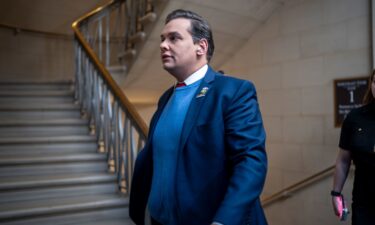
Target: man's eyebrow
point(173, 33)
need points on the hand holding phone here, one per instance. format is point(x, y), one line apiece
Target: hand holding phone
point(340, 207)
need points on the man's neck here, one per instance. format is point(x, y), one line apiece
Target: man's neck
point(197, 75)
point(183, 75)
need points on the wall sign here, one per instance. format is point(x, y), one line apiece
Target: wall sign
point(348, 95)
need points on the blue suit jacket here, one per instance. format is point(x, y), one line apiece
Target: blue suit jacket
point(222, 161)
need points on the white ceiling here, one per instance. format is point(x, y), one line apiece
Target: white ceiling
point(233, 23)
point(45, 15)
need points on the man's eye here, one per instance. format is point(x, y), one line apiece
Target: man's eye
point(170, 38)
point(173, 38)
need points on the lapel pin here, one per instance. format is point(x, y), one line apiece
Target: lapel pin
point(203, 92)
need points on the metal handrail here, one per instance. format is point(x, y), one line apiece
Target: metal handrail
point(120, 130)
point(18, 29)
point(288, 191)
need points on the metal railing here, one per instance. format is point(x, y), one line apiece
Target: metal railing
point(103, 37)
point(288, 191)
point(19, 30)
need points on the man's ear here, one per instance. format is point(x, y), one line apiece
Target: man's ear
point(202, 47)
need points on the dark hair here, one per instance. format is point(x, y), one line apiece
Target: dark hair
point(369, 97)
point(199, 29)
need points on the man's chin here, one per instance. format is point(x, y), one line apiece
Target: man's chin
point(170, 69)
point(167, 66)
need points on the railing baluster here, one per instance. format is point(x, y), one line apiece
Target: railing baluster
point(118, 128)
point(99, 125)
point(113, 140)
point(89, 90)
point(87, 73)
point(107, 43)
point(100, 33)
point(106, 121)
point(77, 95)
point(127, 153)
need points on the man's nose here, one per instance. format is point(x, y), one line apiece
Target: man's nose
point(163, 45)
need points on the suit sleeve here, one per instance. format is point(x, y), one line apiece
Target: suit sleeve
point(245, 144)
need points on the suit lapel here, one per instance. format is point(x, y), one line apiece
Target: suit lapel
point(161, 106)
point(196, 105)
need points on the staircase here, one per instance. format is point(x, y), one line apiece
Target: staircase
point(50, 170)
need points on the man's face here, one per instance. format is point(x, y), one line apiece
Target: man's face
point(178, 51)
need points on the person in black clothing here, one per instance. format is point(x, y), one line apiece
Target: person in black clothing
point(357, 144)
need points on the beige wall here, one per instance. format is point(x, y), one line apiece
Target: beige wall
point(293, 59)
point(30, 56)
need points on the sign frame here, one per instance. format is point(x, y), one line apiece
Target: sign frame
point(353, 89)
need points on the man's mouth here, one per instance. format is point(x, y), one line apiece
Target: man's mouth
point(165, 58)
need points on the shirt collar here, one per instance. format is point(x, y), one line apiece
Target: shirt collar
point(197, 75)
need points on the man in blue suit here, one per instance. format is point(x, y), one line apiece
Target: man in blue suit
point(204, 161)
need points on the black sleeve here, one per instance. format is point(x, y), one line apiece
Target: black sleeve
point(346, 133)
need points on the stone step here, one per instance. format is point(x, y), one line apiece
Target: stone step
point(46, 127)
point(13, 165)
point(56, 206)
point(5, 101)
point(77, 167)
point(38, 111)
point(50, 140)
point(40, 131)
point(115, 216)
point(14, 160)
point(38, 106)
point(40, 86)
point(45, 122)
point(35, 96)
point(46, 148)
point(23, 189)
point(24, 182)
point(41, 114)
point(20, 196)
point(50, 171)
point(36, 93)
